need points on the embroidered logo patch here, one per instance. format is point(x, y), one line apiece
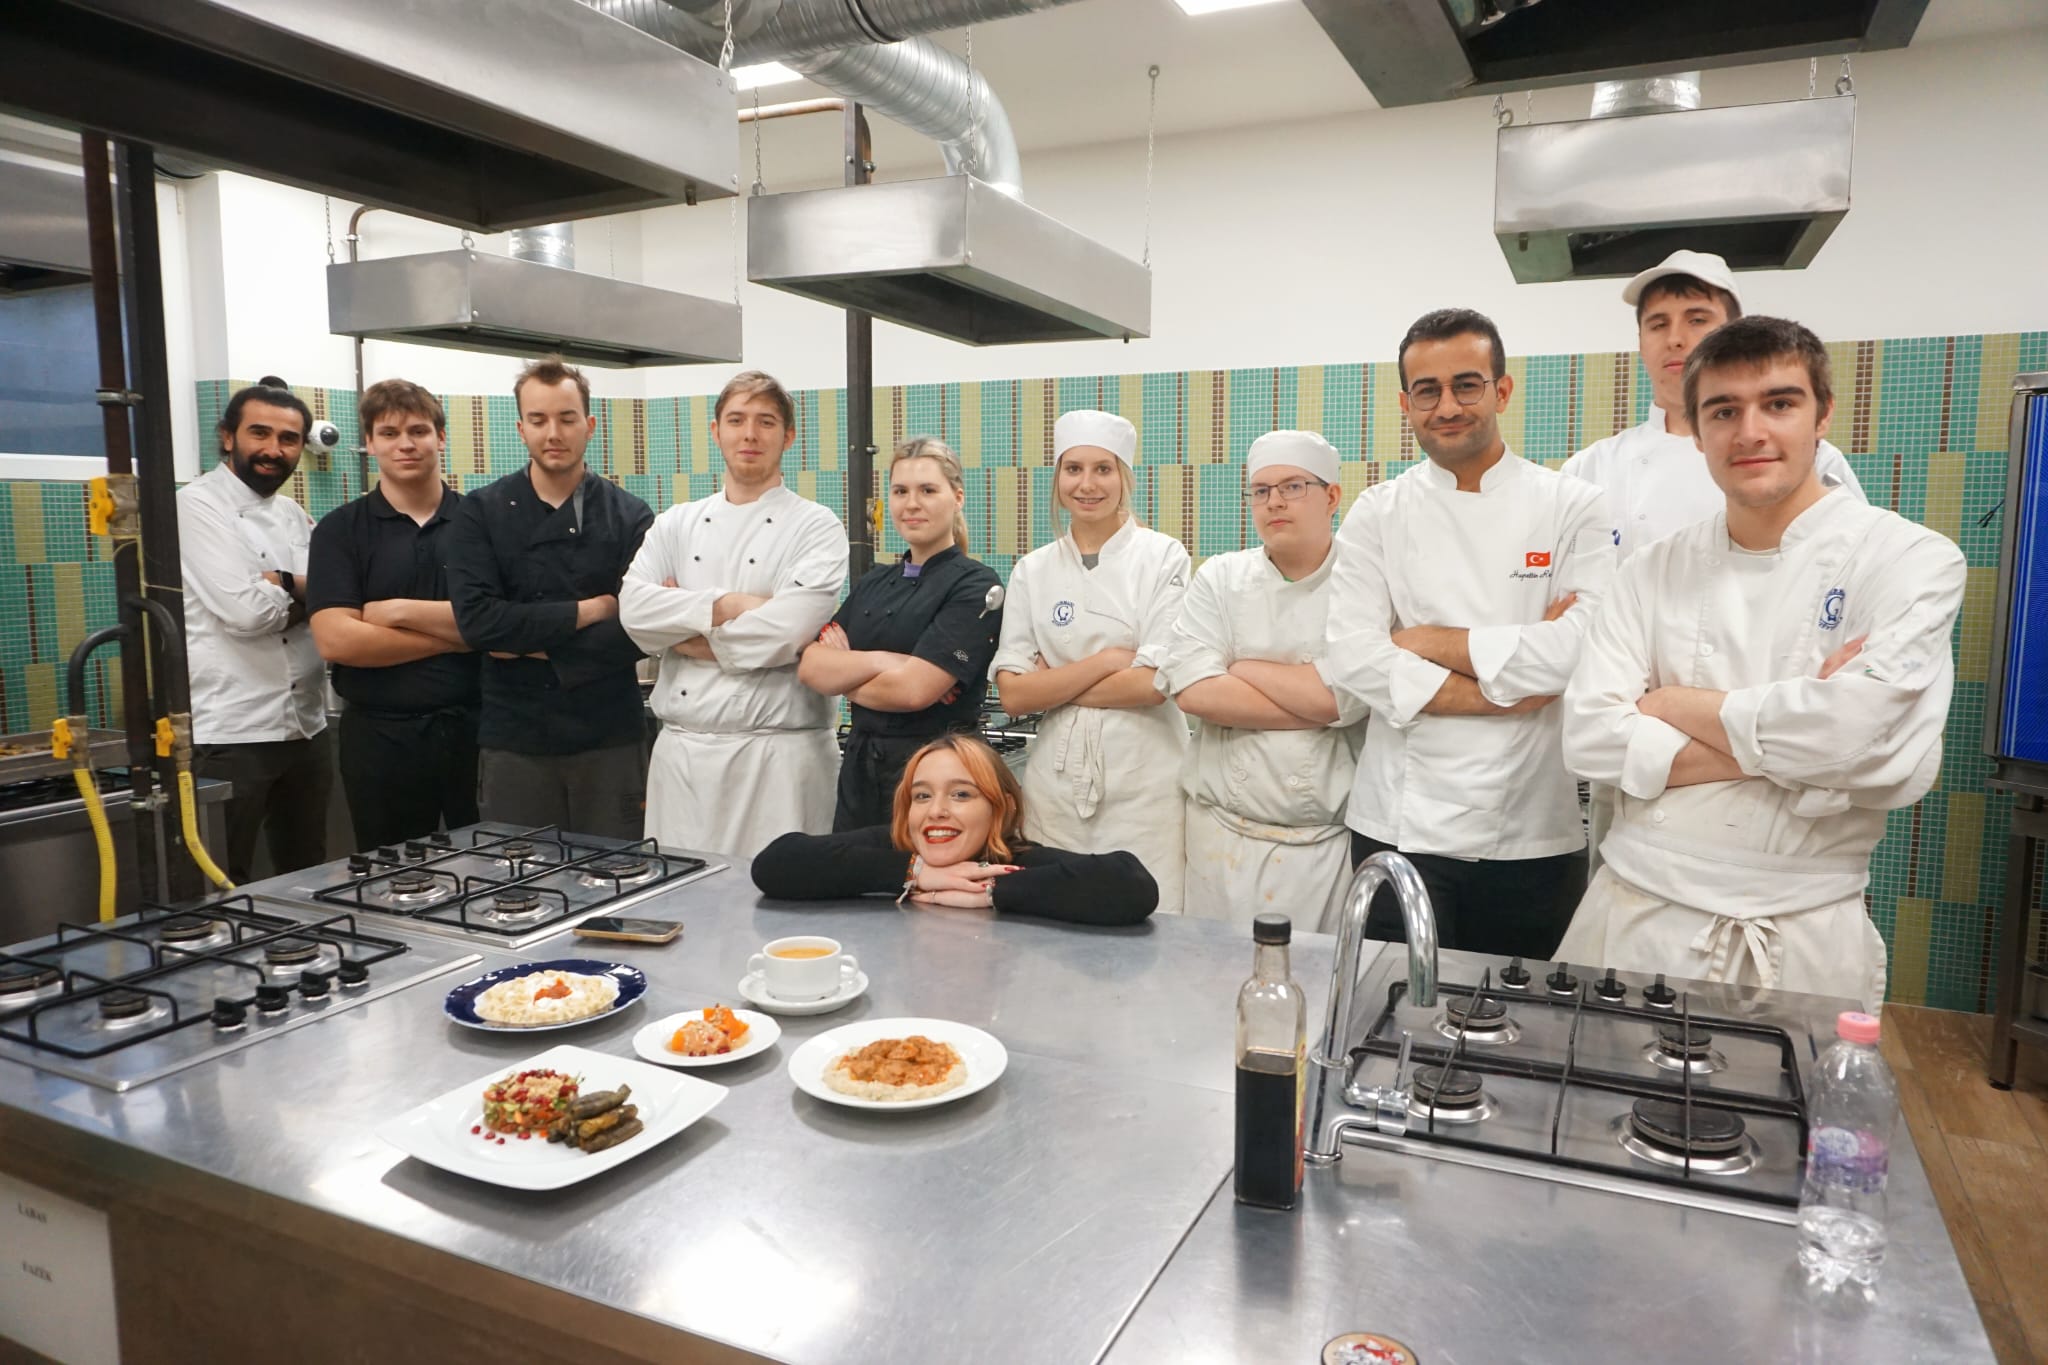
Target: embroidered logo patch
point(1536, 559)
point(1831, 609)
point(1063, 613)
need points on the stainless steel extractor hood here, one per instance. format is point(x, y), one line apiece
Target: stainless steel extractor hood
point(43, 241)
point(1761, 184)
point(474, 301)
point(949, 256)
point(1417, 51)
point(487, 114)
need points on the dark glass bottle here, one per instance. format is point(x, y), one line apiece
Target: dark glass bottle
point(1272, 1057)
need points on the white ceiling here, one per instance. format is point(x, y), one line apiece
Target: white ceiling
point(1076, 75)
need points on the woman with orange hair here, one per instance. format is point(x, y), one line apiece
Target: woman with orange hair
point(957, 839)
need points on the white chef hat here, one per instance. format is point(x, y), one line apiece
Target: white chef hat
point(1703, 266)
point(1087, 427)
point(1303, 450)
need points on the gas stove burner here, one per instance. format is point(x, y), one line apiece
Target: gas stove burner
point(413, 887)
point(125, 1009)
point(1716, 1140)
point(1455, 1095)
point(291, 952)
point(22, 985)
point(514, 852)
point(193, 932)
point(622, 869)
point(517, 907)
point(1483, 1019)
point(1681, 1049)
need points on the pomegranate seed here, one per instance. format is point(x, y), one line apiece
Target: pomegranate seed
point(476, 1128)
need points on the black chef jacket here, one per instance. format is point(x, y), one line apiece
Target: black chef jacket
point(516, 570)
point(369, 551)
point(937, 617)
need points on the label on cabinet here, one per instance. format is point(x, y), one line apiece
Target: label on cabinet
point(56, 1276)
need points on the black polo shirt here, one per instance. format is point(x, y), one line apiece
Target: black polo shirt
point(369, 551)
point(516, 570)
point(936, 616)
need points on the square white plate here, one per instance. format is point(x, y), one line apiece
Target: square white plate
point(437, 1132)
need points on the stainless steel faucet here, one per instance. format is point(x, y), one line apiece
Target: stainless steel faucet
point(1332, 1053)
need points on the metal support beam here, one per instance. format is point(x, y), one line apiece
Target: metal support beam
point(860, 378)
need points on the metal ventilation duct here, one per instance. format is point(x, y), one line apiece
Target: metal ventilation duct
point(1419, 51)
point(473, 301)
point(42, 226)
point(1761, 184)
point(488, 114)
point(950, 256)
point(930, 91)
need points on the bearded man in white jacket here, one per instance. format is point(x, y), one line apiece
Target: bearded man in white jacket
point(1761, 688)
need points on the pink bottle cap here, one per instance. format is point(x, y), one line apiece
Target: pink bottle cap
point(1856, 1026)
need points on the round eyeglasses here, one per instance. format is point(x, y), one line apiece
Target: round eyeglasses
point(1424, 397)
point(1294, 490)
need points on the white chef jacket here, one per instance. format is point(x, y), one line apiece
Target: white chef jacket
point(1100, 780)
point(1414, 551)
point(1658, 483)
point(254, 678)
point(1266, 819)
point(1744, 871)
point(746, 751)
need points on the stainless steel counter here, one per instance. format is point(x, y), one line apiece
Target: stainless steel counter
point(1026, 1223)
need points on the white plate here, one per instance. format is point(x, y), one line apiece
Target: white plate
point(754, 991)
point(437, 1132)
point(985, 1058)
point(651, 1042)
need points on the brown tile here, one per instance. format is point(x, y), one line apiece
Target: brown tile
point(2004, 1185)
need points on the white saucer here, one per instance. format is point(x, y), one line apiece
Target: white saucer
point(755, 992)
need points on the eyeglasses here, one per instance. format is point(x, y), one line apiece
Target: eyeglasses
point(1425, 397)
point(1294, 490)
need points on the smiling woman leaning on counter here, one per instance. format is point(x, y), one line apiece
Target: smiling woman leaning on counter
point(957, 839)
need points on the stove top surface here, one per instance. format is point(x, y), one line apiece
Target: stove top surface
point(1684, 1091)
point(124, 1003)
point(501, 885)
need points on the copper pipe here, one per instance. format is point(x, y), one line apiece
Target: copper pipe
point(793, 109)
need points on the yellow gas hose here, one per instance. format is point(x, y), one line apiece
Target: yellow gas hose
point(188, 805)
point(102, 837)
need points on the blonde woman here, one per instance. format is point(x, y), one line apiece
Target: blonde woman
point(1090, 617)
point(910, 647)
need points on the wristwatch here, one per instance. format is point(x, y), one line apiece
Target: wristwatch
point(286, 581)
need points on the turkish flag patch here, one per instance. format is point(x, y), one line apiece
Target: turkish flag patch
point(1537, 559)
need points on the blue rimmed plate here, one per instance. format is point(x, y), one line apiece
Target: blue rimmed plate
point(460, 1005)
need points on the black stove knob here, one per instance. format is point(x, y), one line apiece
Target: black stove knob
point(352, 972)
point(1561, 981)
point(271, 999)
point(228, 1014)
point(313, 985)
point(358, 865)
point(1610, 990)
point(1515, 976)
point(439, 839)
point(415, 851)
point(1659, 996)
point(387, 853)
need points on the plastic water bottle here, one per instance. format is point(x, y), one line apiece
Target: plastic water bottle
point(1850, 1116)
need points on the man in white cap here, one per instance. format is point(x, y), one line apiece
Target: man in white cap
point(1275, 749)
point(1458, 602)
point(1654, 473)
point(1086, 623)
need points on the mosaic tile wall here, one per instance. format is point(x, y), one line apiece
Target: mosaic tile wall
point(1923, 420)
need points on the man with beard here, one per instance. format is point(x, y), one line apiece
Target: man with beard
point(1763, 688)
point(259, 714)
point(1459, 597)
point(534, 563)
point(380, 613)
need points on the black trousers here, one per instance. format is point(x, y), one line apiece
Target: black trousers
point(1509, 907)
point(281, 791)
point(407, 775)
point(869, 770)
point(599, 791)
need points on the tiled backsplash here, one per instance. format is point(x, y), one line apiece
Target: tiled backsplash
point(1923, 421)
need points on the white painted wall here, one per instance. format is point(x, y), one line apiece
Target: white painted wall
point(1284, 244)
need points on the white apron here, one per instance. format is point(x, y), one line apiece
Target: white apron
point(1833, 950)
point(1100, 780)
point(738, 793)
point(1239, 868)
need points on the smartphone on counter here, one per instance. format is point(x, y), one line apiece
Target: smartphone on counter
point(629, 930)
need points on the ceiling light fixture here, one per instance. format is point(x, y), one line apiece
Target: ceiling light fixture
point(767, 73)
point(1201, 7)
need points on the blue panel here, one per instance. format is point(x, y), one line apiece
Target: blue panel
point(2023, 721)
